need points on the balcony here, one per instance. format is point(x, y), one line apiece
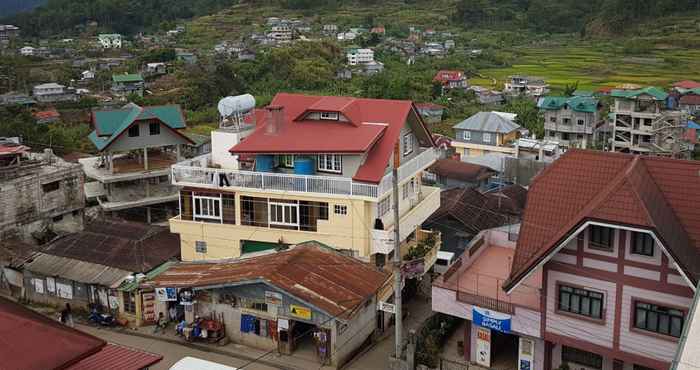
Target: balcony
point(197, 173)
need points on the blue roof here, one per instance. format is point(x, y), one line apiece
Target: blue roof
point(693, 124)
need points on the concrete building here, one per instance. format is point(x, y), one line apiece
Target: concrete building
point(281, 308)
point(431, 113)
point(641, 125)
point(282, 32)
point(571, 121)
point(110, 40)
point(53, 92)
point(484, 133)
point(526, 85)
point(40, 193)
point(136, 147)
point(312, 168)
point(451, 80)
point(360, 56)
point(127, 83)
point(487, 96)
point(8, 32)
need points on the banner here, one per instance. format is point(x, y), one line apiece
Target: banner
point(491, 319)
point(483, 346)
point(300, 312)
point(526, 356)
point(166, 294)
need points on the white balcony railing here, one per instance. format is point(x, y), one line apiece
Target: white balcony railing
point(196, 173)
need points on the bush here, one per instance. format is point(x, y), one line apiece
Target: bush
point(432, 337)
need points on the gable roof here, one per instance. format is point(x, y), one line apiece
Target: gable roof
point(374, 127)
point(649, 193)
point(654, 92)
point(488, 122)
point(125, 245)
point(110, 124)
point(127, 77)
point(309, 271)
point(446, 76)
point(583, 104)
point(687, 84)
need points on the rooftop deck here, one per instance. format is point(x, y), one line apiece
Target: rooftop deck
point(125, 169)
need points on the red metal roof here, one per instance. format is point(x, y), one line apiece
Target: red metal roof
point(446, 76)
point(690, 99)
point(310, 271)
point(658, 194)
point(13, 149)
point(687, 84)
point(46, 114)
point(116, 357)
point(374, 128)
point(429, 106)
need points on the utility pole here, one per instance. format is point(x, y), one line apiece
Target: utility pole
point(397, 251)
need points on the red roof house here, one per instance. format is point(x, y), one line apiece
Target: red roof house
point(446, 76)
point(687, 84)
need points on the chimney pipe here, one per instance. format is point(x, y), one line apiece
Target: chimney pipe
point(273, 119)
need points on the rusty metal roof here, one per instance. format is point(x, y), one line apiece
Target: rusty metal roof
point(76, 270)
point(311, 271)
point(116, 357)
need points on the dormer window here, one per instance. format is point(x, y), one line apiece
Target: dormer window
point(331, 116)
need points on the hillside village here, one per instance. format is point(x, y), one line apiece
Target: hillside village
point(309, 192)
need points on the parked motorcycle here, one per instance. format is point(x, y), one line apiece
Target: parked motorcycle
point(102, 319)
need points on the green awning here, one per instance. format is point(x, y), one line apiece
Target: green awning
point(252, 246)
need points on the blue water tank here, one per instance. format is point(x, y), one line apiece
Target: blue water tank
point(304, 166)
point(264, 163)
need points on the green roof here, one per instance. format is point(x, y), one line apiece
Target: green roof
point(576, 103)
point(110, 123)
point(655, 92)
point(130, 285)
point(127, 77)
point(586, 93)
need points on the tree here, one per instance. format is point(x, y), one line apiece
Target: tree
point(529, 116)
point(569, 90)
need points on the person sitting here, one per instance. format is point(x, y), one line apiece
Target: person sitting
point(180, 328)
point(161, 324)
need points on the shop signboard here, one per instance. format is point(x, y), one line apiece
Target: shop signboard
point(273, 298)
point(300, 312)
point(166, 294)
point(491, 319)
point(483, 346)
point(186, 297)
point(526, 356)
point(413, 268)
point(387, 307)
point(282, 324)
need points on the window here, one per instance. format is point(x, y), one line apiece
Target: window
point(642, 243)
point(581, 301)
point(207, 208)
point(340, 210)
point(383, 206)
point(129, 302)
point(486, 137)
point(287, 161)
point(134, 131)
point(565, 136)
point(285, 214)
point(467, 135)
point(553, 119)
point(581, 357)
point(658, 319)
point(333, 116)
point(407, 144)
point(580, 122)
point(567, 121)
point(200, 246)
point(408, 189)
point(330, 163)
point(601, 237)
point(51, 186)
point(154, 128)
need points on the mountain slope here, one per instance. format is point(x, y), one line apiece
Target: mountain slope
point(12, 7)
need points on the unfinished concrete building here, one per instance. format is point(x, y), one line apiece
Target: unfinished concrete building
point(40, 194)
point(641, 125)
point(136, 147)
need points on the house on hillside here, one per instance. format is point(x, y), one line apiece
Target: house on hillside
point(110, 40)
point(27, 51)
point(450, 80)
point(452, 173)
point(571, 121)
point(690, 102)
point(527, 86)
point(8, 32)
point(359, 56)
point(46, 116)
point(484, 133)
point(53, 92)
point(127, 84)
point(431, 113)
point(487, 96)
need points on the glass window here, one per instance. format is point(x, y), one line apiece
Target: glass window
point(134, 131)
point(643, 244)
point(658, 319)
point(200, 246)
point(553, 119)
point(287, 161)
point(341, 210)
point(383, 206)
point(207, 208)
point(581, 301)
point(407, 144)
point(580, 122)
point(601, 237)
point(581, 357)
point(154, 128)
point(408, 189)
point(486, 137)
point(330, 163)
point(467, 135)
point(329, 116)
point(285, 214)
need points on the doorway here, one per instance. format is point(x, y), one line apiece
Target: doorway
point(504, 351)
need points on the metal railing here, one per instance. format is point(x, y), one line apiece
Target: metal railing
point(195, 172)
point(485, 302)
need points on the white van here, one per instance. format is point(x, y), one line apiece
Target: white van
point(443, 262)
point(192, 363)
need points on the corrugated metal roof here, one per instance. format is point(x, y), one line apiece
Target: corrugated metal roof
point(129, 285)
point(72, 269)
point(116, 357)
point(488, 122)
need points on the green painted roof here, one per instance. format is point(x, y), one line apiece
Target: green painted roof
point(576, 103)
point(655, 92)
point(130, 285)
point(110, 123)
point(127, 77)
point(587, 93)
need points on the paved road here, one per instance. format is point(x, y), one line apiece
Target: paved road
point(171, 352)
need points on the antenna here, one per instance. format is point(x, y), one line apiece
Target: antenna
point(236, 111)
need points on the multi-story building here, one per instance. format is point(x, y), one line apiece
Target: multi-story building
point(360, 56)
point(571, 121)
point(603, 272)
point(126, 84)
point(38, 192)
point(53, 92)
point(641, 125)
point(110, 40)
point(451, 80)
point(526, 85)
point(136, 147)
point(484, 133)
point(8, 32)
point(282, 32)
point(312, 168)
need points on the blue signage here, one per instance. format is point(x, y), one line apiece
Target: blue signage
point(491, 319)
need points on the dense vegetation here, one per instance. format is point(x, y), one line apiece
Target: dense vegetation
point(11, 7)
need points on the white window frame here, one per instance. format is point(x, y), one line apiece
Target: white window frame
point(329, 116)
point(336, 163)
point(212, 203)
point(383, 206)
point(467, 135)
point(288, 210)
point(287, 160)
point(407, 144)
point(340, 209)
point(408, 189)
point(486, 137)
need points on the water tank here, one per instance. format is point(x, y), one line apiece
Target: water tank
point(264, 163)
point(304, 166)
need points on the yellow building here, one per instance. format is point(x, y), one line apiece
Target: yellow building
point(307, 168)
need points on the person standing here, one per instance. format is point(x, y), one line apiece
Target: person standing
point(67, 316)
point(172, 312)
